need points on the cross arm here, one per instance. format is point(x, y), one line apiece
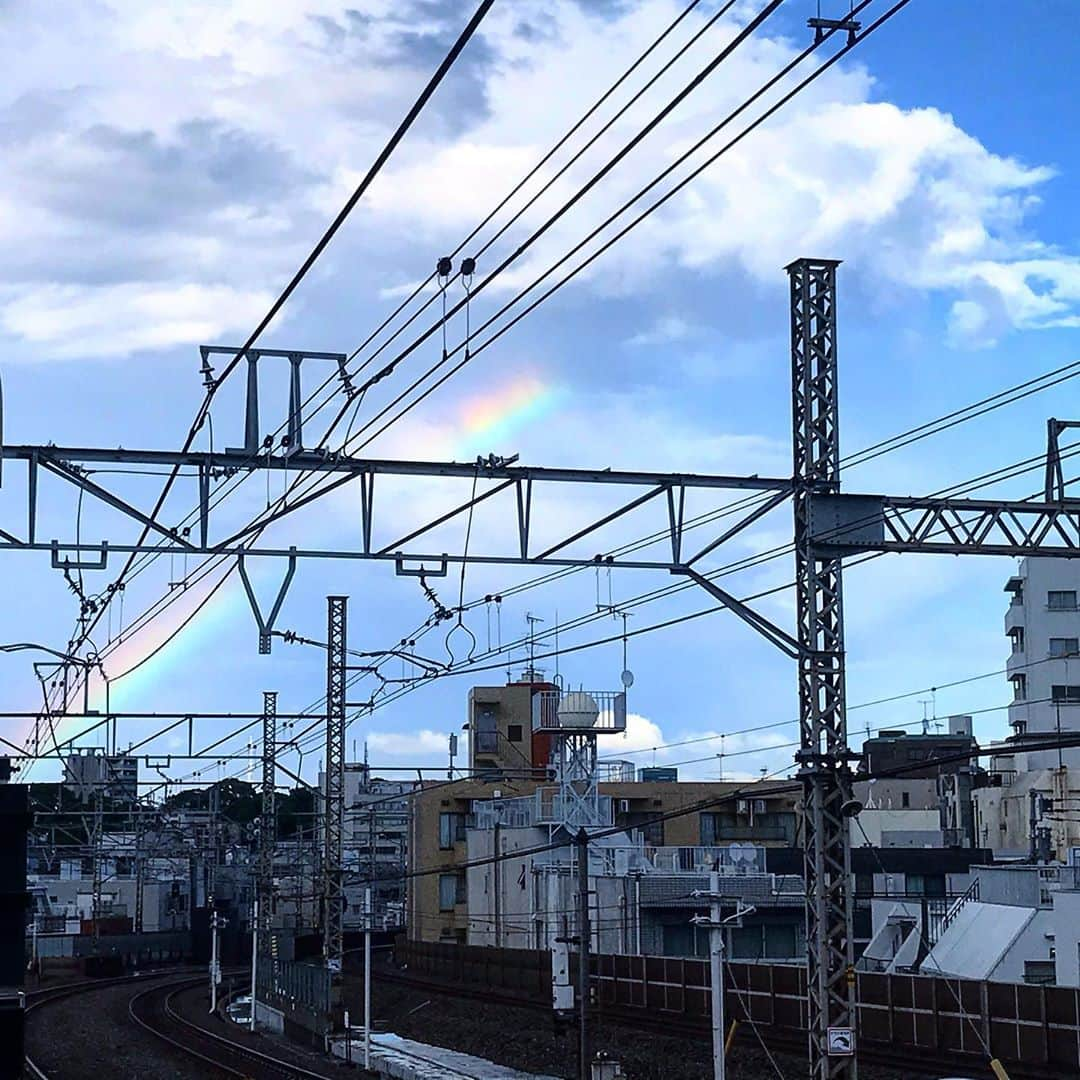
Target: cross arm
point(847, 524)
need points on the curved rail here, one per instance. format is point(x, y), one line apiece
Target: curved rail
point(193, 1031)
point(35, 999)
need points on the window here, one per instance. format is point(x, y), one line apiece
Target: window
point(924, 884)
point(1064, 646)
point(905, 800)
point(451, 891)
point(484, 730)
point(1019, 687)
point(451, 830)
point(1061, 600)
point(1017, 635)
point(1065, 695)
point(513, 732)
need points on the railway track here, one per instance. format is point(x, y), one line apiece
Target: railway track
point(37, 999)
point(154, 1010)
point(667, 1024)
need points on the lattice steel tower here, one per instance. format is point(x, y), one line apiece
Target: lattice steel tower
point(267, 825)
point(823, 755)
point(334, 809)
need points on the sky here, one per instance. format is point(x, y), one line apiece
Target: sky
point(168, 166)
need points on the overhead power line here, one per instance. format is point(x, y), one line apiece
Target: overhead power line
point(373, 171)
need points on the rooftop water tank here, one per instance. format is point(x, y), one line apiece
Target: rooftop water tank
point(578, 710)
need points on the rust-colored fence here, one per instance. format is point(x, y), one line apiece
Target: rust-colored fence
point(1034, 1027)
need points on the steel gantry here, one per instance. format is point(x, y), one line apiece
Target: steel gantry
point(334, 796)
point(823, 754)
point(828, 526)
point(264, 885)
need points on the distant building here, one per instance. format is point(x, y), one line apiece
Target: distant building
point(658, 774)
point(1024, 812)
point(1043, 625)
point(927, 802)
point(917, 757)
point(376, 843)
point(90, 770)
point(1013, 924)
point(501, 737)
point(452, 824)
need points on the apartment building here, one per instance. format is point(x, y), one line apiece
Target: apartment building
point(1042, 623)
point(469, 820)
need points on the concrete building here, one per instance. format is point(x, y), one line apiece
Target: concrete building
point(502, 741)
point(1043, 626)
point(376, 844)
point(436, 903)
point(927, 803)
point(455, 823)
point(1013, 924)
point(90, 770)
point(1019, 806)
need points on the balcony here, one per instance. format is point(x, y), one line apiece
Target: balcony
point(578, 712)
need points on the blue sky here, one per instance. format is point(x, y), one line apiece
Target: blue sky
point(165, 183)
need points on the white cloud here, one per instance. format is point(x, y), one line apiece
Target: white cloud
point(420, 744)
point(114, 320)
point(200, 141)
point(664, 331)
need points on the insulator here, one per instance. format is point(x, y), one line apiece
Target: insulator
point(468, 267)
point(444, 266)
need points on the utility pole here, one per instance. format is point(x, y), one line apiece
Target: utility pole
point(716, 974)
point(715, 924)
point(334, 808)
point(95, 897)
point(255, 954)
point(140, 840)
point(367, 978)
point(217, 922)
point(497, 883)
point(823, 756)
point(264, 886)
point(584, 943)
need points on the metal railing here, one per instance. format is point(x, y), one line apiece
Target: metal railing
point(584, 711)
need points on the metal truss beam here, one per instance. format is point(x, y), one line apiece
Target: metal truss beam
point(846, 524)
point(235, 460)
point(823, 754)
point(70, 462)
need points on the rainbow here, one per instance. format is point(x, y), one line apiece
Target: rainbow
point(135, 663)
point(139, 661)
point(486, 421)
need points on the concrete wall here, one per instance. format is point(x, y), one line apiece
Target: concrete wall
point(425, 921)
point(890, 794)
point(875, 826)
point(1031, 944)
point(1003, 814)
point(1065, 922)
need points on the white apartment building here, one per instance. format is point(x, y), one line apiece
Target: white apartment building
point(375, 841)
point(89, 769)
point(1043, 625)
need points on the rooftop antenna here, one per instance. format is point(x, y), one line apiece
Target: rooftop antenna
point(532, 620)
point(925, 717)
point(627, 674)
point(558, 678)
